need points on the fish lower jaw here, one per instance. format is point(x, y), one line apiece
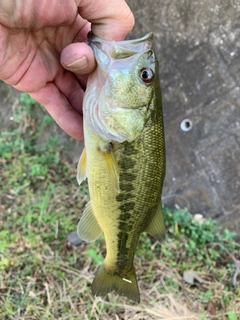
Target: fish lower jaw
point(118, 125)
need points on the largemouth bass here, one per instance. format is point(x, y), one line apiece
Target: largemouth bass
point(123, 159)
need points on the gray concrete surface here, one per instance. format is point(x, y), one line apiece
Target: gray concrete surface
point(198, 47)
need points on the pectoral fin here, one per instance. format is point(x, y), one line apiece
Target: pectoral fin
point(112, 168)
point(88, 228)
point(81, 168)
point(156, 228)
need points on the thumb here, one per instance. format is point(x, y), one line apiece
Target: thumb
point(110, 19)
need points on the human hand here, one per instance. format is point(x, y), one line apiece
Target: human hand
point(41, 39)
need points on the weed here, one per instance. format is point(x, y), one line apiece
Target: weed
point(200, 239)
point(232, 316)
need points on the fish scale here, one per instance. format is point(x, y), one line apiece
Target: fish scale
point(124, 158)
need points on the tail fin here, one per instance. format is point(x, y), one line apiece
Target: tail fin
point(105, 282)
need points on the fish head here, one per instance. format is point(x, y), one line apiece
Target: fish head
point(117, 103)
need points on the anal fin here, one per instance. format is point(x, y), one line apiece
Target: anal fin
point(88, 228)
point(156, 227)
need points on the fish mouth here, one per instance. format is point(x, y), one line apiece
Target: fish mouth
point(119, 49)
point(124, 43)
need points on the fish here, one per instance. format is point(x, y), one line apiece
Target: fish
point(123, 158)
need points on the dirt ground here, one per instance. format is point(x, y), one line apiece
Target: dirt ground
point(198, 47)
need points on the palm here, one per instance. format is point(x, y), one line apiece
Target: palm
point(31, 62)
point(33, 36)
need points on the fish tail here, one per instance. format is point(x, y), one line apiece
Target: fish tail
point(105, 282)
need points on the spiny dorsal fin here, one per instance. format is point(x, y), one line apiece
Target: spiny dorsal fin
point(156, 227)
point(81, 168)
point(88, 228)
point(112, 168)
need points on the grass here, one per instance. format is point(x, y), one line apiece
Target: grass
point(43, 277)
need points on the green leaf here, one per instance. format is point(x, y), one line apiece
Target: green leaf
point(232, 315)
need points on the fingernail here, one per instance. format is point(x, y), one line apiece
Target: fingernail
point(78, 64)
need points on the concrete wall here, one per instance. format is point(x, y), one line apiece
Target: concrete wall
point(198, 47)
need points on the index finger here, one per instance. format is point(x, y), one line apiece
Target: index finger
point(110, 19)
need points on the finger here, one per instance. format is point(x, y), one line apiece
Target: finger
point(72, 89)
point(78, 58)
point(111, 20)
point(60, 109)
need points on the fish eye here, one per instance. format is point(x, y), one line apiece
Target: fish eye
point(146, 74)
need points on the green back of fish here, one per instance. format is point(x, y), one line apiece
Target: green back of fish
point(141, 175)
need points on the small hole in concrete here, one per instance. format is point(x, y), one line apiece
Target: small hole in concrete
point(186, 125)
